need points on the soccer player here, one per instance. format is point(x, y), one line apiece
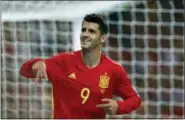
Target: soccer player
point(85, 81)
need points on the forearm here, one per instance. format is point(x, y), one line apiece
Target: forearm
point(128, 105)
point(26, 68)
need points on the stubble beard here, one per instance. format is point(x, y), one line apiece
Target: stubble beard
point(90, 48)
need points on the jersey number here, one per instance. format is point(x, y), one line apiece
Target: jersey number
point(85, 92)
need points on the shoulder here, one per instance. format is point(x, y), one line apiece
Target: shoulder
point(62, 56)
point(115, 67)
point(67, 55)
point(118, 70)
point(113, 64)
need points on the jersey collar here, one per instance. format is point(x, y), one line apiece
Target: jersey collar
point(81, 65)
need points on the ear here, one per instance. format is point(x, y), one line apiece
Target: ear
point(103, 38)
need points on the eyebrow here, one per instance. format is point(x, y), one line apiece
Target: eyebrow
point(90, 29)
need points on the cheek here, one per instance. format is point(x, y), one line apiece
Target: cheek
point(95, 39)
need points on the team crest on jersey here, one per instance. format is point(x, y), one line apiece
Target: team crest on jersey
point(104, 81)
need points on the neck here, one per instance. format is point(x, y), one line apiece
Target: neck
point(91, 57)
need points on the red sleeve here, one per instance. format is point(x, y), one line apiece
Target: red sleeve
point(125, 90)
point(26, 68)
point(54, 65)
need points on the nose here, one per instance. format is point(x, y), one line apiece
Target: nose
point(85, 33)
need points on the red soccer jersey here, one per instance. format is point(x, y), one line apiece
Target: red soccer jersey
point(77, 89)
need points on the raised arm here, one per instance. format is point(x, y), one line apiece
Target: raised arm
point(30, 68)
point(42, 68)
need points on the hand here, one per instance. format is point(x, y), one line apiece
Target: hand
point(110, 107)
point(39, 70)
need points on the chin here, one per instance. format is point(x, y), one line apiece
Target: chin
point(85, 46)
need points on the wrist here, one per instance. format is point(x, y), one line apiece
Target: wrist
point(38, 61)
point(120, 107)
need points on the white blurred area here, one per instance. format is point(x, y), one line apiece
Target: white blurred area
point(56, 10)
point(52, 10)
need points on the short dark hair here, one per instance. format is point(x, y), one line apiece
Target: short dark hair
point(99, 19)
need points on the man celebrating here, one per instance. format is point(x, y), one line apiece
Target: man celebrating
point(85, 81)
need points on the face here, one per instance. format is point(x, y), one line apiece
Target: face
point(91, 36)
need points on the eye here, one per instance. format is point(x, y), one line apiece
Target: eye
point(92, 31)
point(83, 29)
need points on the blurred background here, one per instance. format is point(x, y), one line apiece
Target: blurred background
point(146, 37)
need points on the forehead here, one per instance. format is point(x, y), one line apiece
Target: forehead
point(90, 25)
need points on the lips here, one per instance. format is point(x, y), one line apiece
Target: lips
point(86, 40)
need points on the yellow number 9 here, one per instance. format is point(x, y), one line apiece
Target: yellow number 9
point(85, 92)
